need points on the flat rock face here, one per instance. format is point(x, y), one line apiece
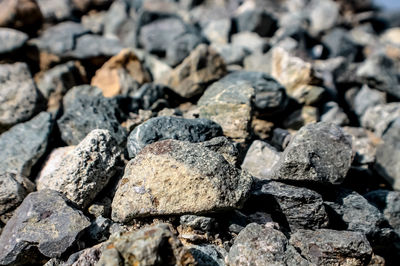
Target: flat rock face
point(175, 177)
point(261, 245)
point(86, 170)
point(45, 224)
point(168, 127)
point(19, 98)
point(155, 245)
point(330, 247)
point(11, 40)
point(319, 153)
point(23, 145)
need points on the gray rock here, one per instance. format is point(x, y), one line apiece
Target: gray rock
point(261, 245)
point(339, 43)
point(379, 117)
point(176, 177)
point(333, 113)
point(88, 113)
point(11, 40)
point(323, 15)
point(301, 207)
point(93, 46)
point(259, 159)
point(251, 41)
point(168, 127)
point(258, 21)
point(217, 31)
point(54, 11)
point(86, 170)
point(24, 144)
point(224, 146)
point(364, 144)
point(208, 255)
point(331, 247)
point(45, 224)
point(99, 230)
point(181, 47)
point(367, 98)
point(232, 54)
point(195, 222)
point(78, 92)
point(155, 245)
point(19, 97)
point(320, 153)
point(388, 155)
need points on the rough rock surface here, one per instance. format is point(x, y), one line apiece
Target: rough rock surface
point(45, 224)
point(175, 177)
point(379, 117)
point(11, 40)
point(24, 144)
point(54, 160)
point(319, 153)
point(169, 127)
point(86, 170)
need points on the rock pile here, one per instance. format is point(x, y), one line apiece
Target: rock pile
point(199, 132)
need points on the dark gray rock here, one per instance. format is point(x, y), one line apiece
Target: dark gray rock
point(151, 96)
point(200, 223)
point(379, 117)
point(208, 255)
point(339, 43)
point(19, 97)
point(11, 40)
point(225, 147)
point(367, 98)
point(257, 21)
point(99, 230)
point(320, 153)
point(300, 207)
point(333, 113)
point(364, 144)
point(24, 144)
point(331, 247)
point(261, 245)
point(45, 224)
point(161, 128)
point(93, 46)
point(88, 113)
point(78, 92)
point(180, 47)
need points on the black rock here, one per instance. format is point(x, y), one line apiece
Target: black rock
point(208, 255)
point(257, 21)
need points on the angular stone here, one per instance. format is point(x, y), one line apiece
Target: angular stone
point(181, 47)
point(24, 144)
point(367, 98)
point(251, 41)
point(155, 245)
point(224, 146)
point(260, 158)
point(57, 10)
point(379, 117)
point(195, 222)
point(200, 68)
point(78, 92)
point(300, 207)
point(261, 245)
point(323, 15)
point(320, 153)
point(168, 127)
point(208, 255)
point(258, 21)
point(331, 247)
point(364, 144)
point(340, 43)
point(217, 31)
point(86, 170)
point(20, 14)
point(232, 54)
point(88, 113)
point(11, 40)
point(19, 98)
point(176, 177)
point(45, 224)
point(120, 74)
point(333, 113)
point(299, 118)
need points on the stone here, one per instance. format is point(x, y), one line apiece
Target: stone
point(45, 224)
point(54, 83)
point(333, 113)
point(232, 54)
point(260, 159)
point(181, 47)
point(121, 74)
point(364, 144)
point(257, 21)
point(11, 40)
point(299, 118)
point(331, 247)
point(200, 68)
point(78, 92)
point(154, 245)
point(367, 98)
point(299, 207)
point(54, 11)
point(24, 15)
point(280, 138)
point(88, 256)
point(54, 160)
point(101, 208)
point(339, 43)
point(84, 5)
point(320, 153)
point(98, 231)
point(392, 35)
point(225, 147)
point(217, 31)
point(195, 222)
point(261, 245)
point(151, 96)
point(388, 154)
point(88, 113)
point(189, 179)
point(86, 170)
point(379, 117)
point(13, 189)
point(168, 127)
point(323, 15)
point(208, 255)
point(24, 144)
point(19, 98)
point(251, 41)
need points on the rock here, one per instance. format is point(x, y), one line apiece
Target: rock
point(55, 83)
point(88, 113)
point(24, 144)
point(85, 5)
point(189, 179)
point(88, 256)
point(78, 92)
point(200, 68)
point(155, 245)
point(225, 147)
point(331, 247)
point(217, 31)
point(388, 155)
point(19, 98)
point(120, 74)
point(333, 113)
point(299, 118)
point(13, 189)
point(339, 43)
point(232, 54)
point(151, 96)
point(379, 117)
point(54, 11)
point(11, 40)
point(260, 158)
point(181, 47)
point(367, 98)
point(298, 207)
point(101, 208)
point(251, 41)
point(261, 245)
point(201, 223)
point(20, 14)
point(86, 170)
point(161, 128)
point(323, 15)
point(98, 231)
point(280, 138)
point(258, 21)
point(392, 35)
point(208, 255)
point(364, 144)
point(45, 224)
point(320, 153)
